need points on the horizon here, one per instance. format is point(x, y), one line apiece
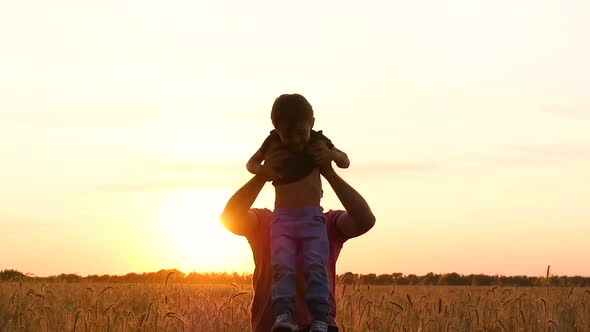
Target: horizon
point(466, 125)
point(249, 273)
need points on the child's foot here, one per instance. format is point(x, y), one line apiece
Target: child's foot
point(318, 326)
point(284, 323)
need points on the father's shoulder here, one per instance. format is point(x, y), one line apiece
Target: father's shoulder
point(263, 215)
point(332, 215)
point(334, 232)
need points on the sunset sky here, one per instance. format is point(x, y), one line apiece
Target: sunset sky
point(126, 125)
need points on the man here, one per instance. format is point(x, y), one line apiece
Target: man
point(239, 218)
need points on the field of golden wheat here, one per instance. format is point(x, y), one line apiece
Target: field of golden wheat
point(33, 306)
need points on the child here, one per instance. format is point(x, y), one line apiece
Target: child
point(298, 218)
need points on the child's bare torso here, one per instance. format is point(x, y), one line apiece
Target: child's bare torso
point(305, 192)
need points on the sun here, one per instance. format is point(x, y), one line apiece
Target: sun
point(196, 240)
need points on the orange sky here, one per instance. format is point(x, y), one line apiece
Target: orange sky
point(126, 125)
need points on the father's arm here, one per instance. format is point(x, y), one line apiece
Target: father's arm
point(358, 218)
point(237, 216)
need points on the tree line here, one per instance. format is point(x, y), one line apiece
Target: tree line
point(455, 279)
point(176, 276)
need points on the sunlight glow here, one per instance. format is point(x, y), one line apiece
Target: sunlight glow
point(189, 224)
point(126, 125)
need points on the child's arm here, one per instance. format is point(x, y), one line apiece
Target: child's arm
point(266, 170)
point(324, 155)
point(255, 162)
point(340, 158)
point(332, 153)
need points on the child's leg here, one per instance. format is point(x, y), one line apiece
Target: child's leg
point(283, 258)
point(315, 256)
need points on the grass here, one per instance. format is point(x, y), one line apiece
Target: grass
point(32, 306)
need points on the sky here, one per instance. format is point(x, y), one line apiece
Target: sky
point(126, 125)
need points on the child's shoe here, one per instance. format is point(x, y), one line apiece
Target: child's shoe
point(318, 326)
point(285, 323)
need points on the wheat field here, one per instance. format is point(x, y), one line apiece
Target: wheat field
point(33, 306)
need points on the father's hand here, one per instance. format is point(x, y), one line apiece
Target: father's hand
point(322, 156)
point(272, 161)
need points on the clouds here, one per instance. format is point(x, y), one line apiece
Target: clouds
point(178, 176)
point(397, 167)
point(190, 175)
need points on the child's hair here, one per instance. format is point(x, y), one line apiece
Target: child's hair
point(289, 109)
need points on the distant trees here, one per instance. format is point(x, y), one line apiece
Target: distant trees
point(11, 275)
point(482, 280)
point(455, 279)
point(369, 279)
point(70, 277)
point(385, 279)
point(176, 276)
point(451, 279)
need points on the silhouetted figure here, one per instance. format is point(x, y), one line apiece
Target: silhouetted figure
point(298, 219)
point(297, 242)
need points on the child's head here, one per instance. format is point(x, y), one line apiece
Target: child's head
point(292, 117)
